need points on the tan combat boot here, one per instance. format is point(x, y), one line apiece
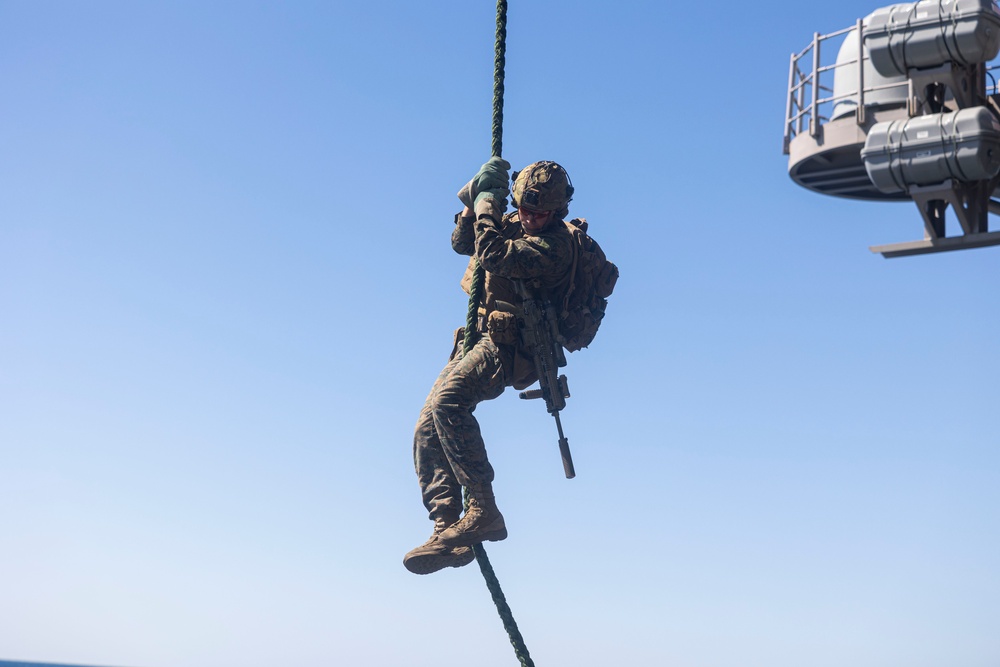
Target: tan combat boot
point(432, 555)
point(482, 521)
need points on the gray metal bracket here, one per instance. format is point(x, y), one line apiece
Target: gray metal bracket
point(937, 245)
point(967, 86)
point(971, 203)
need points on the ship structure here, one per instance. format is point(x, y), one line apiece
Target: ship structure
point(904, 113)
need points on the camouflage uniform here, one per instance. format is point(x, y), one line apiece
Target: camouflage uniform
point(448, 449)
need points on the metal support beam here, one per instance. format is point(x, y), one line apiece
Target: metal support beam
point(927, 246)
point(971, 203)
point(861, 114)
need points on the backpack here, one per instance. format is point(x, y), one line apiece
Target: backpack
point(592, 279)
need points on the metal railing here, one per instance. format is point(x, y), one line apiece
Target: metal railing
point(805, 105)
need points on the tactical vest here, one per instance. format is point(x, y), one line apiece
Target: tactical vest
point(582, 301)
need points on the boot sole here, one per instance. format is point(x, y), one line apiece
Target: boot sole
point(469, 539)
point(430, 563)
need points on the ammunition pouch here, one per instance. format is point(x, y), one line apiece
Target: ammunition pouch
point(502, 328)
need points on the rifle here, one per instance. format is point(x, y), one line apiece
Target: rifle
point(539, 329)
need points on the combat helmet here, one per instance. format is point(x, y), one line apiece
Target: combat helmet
point(543, 186)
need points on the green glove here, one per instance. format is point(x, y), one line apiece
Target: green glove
point(492, 175)
point(492, 202)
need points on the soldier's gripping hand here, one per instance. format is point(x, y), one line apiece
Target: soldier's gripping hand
point(491, 202)
point(494, 175)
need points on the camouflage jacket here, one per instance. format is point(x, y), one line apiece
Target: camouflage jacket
point(506, 253)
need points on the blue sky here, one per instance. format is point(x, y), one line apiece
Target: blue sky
point(227, 285)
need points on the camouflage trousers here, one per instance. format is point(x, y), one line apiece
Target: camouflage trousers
point(448, 449)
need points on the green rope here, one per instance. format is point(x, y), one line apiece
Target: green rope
point(472, 334)
point(498, 65)
point(472, 318)
point(478, 275)
point(520, 650)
